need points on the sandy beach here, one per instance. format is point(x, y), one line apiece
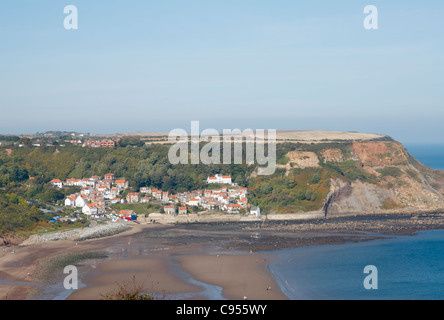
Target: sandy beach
point(150, 273)
point(166, 272)
point(239, 275)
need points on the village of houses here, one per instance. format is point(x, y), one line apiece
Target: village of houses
point(98, 195)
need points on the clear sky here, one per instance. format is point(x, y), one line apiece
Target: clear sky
point(282, 64)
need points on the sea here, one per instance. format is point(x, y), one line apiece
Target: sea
point(397, 268)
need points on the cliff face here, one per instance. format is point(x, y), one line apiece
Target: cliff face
point(341, 177)
point(399, 181)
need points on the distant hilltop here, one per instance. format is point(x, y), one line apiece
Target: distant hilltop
point(320, 135)
point(289, 134)
point(303, 136)
point(281, 135)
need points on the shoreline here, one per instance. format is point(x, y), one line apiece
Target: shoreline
point(20, 263)
point(193, 249)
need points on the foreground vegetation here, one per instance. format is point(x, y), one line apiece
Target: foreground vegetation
point(128, 291)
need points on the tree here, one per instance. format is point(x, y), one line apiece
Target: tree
point(17, 174)
point(130, 142)
point(52, 195)
point(26, 141)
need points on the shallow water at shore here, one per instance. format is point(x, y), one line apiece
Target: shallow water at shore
point(210, 292)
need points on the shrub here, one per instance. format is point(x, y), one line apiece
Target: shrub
point(349, 169)
point(127, 291)
point(390, 171)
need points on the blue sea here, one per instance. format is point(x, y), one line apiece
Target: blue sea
point(432, 155)
point(407, 267)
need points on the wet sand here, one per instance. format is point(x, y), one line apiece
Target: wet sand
point(240, 276)
point(152, 274)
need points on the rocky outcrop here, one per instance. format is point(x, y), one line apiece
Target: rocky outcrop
point(399, 181)
point(354, 197)
point(332, 155)
point(98, 231)
point(377, 154)
point(299, 159)
point(303, 159)
point(6, 240)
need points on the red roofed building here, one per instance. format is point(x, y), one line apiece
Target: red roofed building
point(122, 184)
point(193, 202)
point(219, 179)
point(145, 190)
point(169, 209)
point(133, 197)
point(233, 208)
point(56, 183)
point(128, 215)
point(90, 209)
point(107, 143)
point(109, 177)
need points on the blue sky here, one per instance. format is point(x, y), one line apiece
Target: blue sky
point(284, 64)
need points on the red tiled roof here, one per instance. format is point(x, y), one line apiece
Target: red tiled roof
point(126, 212)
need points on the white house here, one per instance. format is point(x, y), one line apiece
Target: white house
point(77, 182)
point(81, 201)
point(109, 194)
point(101, 187)
point(70, 182)
point(256, 211)
point(57, 183)
point(86, 191)
point(70, 201)
point(193, 202)
point(89, 209)
point(169, 209)
point(243, 192)
point(218, 178)
point(145, 200)
point(146, 190)
point(157, 194)
point(233, 208)
point(121, 184)
point(115, 200)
